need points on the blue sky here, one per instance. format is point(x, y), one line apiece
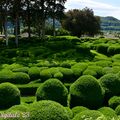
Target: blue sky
point(100, 7)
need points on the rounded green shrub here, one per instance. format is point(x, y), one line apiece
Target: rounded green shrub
point(20, 78)
point(116, 58)
point(67, 74)
point(102, 48)
point(109, 113)
point(69, 112)
point(78, 109)
point(90, 72)
point(22, 69)
point(34, 73)
point(89, 115)
point(86, 91)
point(104, 63)
point(6, 75)
point(58, 75)
point(22, 108)
point(78, 69)
point(114, 102)
point(52, 89)
point(117, 110)
point(45, 74)
point(9, 95)
point(48, 110)
point(111, 85)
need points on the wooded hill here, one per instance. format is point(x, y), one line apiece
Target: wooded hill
point(110, 24)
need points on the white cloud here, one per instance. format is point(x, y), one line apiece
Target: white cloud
point(101, 9)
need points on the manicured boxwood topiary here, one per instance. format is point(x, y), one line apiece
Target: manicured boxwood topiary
point(22, 69)
point(86, 91)
point(67, 75)
point(90, 72)
point(45, 74)
point(52, 89)
point(78, 69)
point(5, 75)
point(109, 113)
point(58, 75)
point(104, 63)
point(116, 58)
point(89, 115)
point(69, 112)
point(9, 95)
point(78, 109)
point(21, 107)
point(34, 73)
point(48, 110)
point(20, 78)
point(111, 85)
point(114, 102)
point(102, 48)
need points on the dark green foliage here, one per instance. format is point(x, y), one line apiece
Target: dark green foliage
point(78, 69)
point(102, 48)
point(114, 49)
point(90, 115)
point(86, 91)
point(111, 85)
point(83, 49)
point(48, 110)
point(9, 95)
point(114, 102)
point(78, 109)
point(52, 89)
point(109, 113)
point(28, 89)
point(67, 74)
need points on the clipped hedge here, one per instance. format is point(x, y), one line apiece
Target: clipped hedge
point(78, 69)
point(52, 89)
point(22, 69)
point(117, 110)
point(20, 78)
point(114, 102)
point(111, 84)
point(9, 95)
point(34, 73)
point(67, 75)
point(109, 113)
point(86, 91)
point(89, 115)
point(48, 110)
point(78, 109)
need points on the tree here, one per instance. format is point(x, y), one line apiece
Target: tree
point(80, 22)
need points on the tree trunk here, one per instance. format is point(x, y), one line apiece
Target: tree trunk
point(29, 26)
point(54, 34)
point(43, 29)
point(5, 26)
point(16, 31)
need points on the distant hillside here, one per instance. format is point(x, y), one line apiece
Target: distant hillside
point(110, 24)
